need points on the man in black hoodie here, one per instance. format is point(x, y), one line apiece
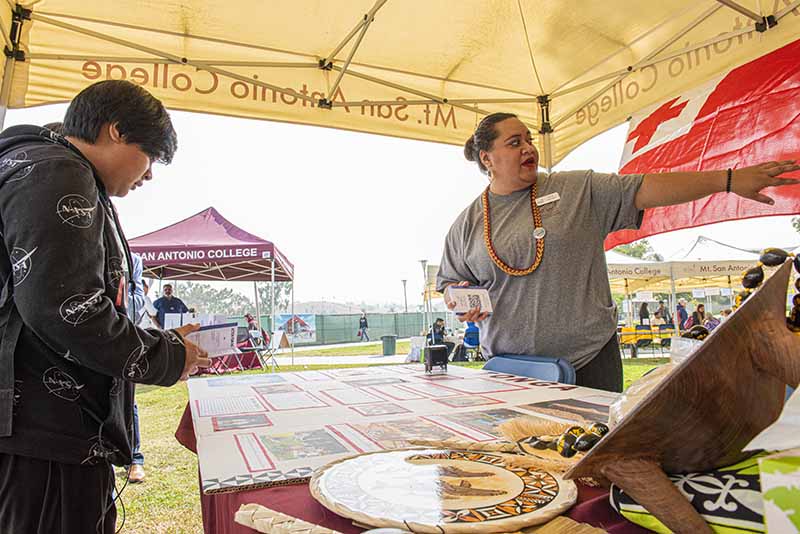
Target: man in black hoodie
point(68, 353)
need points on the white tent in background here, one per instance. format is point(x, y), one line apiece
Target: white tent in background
point(704, 264)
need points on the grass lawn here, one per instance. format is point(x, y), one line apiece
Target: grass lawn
point(403, 347)
point(168, 501)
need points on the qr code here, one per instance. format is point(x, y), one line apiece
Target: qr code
point(474, 301)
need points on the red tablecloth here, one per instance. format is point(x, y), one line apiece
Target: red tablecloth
point(295, 500)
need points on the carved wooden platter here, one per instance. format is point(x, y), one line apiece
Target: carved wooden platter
point(441, 491)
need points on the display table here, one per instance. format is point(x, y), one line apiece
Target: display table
point(218, 509)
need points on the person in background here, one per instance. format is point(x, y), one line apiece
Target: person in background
point(699, 315)
point(148, 316)
point(664, 312)
point(657, 320)
point(682, 314)
point(252, 326)
point(644, 314)
point(140, 310)
point(169, 304)
point(725, 314)
point(711, 322)
point(362, 327)
point(436, 336)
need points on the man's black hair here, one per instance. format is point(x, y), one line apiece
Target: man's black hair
point(140, 117)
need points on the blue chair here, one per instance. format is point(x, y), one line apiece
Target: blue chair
point(472, 342)
point(541, 367)
point(644, 335)
point(663, 331)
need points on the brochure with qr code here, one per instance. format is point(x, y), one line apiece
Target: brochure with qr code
point(217, 340)
point(467, 298)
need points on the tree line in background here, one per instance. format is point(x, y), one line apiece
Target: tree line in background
point(206, 298)
point(640, 249)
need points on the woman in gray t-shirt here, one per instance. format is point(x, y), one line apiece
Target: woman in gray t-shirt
point(535, 241)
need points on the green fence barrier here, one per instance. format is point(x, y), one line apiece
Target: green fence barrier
point(332, 329)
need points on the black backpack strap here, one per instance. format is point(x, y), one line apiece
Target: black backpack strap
point(10, 327)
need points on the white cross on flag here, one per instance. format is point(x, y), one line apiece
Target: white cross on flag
point(748, 116)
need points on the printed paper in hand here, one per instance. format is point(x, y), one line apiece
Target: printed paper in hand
point(467, 298)
point(217, 340)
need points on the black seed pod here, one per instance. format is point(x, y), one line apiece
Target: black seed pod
point(575, 431)
point(601, 429)
point(752, 278)
point(797, 263)
point(772, 257)
point(586, 441)
point(566, 445)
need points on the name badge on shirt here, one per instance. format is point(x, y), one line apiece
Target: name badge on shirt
point(547, 199)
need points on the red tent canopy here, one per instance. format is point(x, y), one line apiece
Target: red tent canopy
point(206, 246)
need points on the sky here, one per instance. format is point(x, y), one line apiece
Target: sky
point(354, 212)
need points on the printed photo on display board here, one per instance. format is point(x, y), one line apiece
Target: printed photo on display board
point(299, 328)
point(302, 445)
point(576, 410)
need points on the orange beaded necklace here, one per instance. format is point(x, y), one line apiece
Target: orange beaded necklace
point(538, 234)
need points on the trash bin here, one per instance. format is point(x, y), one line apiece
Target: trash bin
point(389, 344)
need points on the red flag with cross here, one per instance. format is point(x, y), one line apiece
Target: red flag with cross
point(748, 116)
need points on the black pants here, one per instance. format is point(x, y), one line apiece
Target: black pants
point(604, 371)
point(44, 497)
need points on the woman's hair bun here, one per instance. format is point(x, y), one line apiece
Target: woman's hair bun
point(469, 149)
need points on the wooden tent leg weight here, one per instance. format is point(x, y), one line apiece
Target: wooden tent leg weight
point(649, 486)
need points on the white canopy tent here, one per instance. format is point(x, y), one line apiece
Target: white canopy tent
point(417, 69)
point(705, 263)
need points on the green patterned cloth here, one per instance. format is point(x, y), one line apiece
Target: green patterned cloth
point(729, 499)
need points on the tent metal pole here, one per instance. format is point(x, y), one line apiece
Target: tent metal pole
point(686, 29)
point(674, 309)
point(438, 99)
point(13, 53)
point(656, 61)
point(785, 11)
point(161, 61)
point(741, 9)
point(272, 296)
point(546, 131)
point(5, 89)
point(626, 47)
point(629, 318)
point(172, 57)
point(292, 322)
point(425, 300)
point(730, 293)
point(368, 18)
point(258, 307)
point(427, 102)
point(365, 21)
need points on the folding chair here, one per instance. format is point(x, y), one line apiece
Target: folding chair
point(627, 338)
point(265, 351)
point(472, 345)
point(665, 332)
point(644, 336)
point(541, 367)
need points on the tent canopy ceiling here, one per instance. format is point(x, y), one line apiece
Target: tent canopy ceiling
point(428, 70)
point(206, 246)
